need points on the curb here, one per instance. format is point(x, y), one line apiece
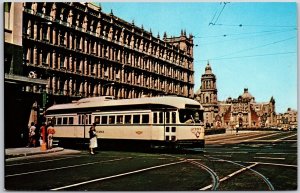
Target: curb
point(15, 155)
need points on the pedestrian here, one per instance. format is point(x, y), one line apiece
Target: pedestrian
point(43, 134)
point(93, 138)
point(31, 135)
point(37, 135)
point(50, 133)
point(237, 129)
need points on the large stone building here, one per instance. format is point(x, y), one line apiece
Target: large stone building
point(242, 111)
point(245, 112)
point(71, 50)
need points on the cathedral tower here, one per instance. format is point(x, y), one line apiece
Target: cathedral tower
point(207, 96)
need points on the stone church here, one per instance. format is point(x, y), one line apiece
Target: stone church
point(242, 111)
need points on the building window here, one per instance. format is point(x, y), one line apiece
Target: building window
point(7, 7)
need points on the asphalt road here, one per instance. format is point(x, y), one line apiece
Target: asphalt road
point(248, 161)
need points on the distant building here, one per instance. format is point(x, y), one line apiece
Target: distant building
point(243, 111)
point(289, 119)
point(59, 52)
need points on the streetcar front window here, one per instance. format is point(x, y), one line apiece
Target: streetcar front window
point(190, 116)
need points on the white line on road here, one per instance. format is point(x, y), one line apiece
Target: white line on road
point(60, 168)
point(118, 175)
point(285, 137)
point(275, 164)
point(261, 137)
point(277, 158)
point(19, 164)
point(278, 153)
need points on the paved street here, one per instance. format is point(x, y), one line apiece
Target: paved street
point(248, 161)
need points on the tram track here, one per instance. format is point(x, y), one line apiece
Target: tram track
point(214, 176)
point(264, 178)
point(117, 175)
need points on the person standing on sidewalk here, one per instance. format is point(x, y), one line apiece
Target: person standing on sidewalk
point(93, 138)
point(31, 135)
point(50, 133)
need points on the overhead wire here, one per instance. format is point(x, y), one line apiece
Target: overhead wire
point(238, 34)
point(249, 56)
point(212, 22)
point(256, 47)
point(248, 36)
point(249, 25)
point(225, 3)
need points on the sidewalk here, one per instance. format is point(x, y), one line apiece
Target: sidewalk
point(27, 151)
point(229, 132)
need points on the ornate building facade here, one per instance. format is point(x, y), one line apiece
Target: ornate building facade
point(72, 50)
point(245, 112)
point(242, 111)
point(83, 52)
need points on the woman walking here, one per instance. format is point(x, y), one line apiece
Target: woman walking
point(93, 138)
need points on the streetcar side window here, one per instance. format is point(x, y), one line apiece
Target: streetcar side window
point(104, 120)
point(173, 117)
point(155, 117)
point(58, 121)
point(86, 119)
point(71, 120)
point(65, 120)
point(161, 117)
point(79, 119)
point(120, 119)
point(90, 119)
point(127, 119)
point(97, 119)
point(136, 118)
point(54, 120)
point(145, 118)
point(167, 117)
point(111, 119)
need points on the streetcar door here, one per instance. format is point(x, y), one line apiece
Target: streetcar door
point(84, 121)
point(169, 125)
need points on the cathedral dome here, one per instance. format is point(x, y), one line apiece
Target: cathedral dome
point(246, 94)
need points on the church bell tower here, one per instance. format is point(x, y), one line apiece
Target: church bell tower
point(207, 96)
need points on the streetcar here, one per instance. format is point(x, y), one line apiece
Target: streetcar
point(156, 121)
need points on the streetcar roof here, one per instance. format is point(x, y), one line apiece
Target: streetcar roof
point(170, 101)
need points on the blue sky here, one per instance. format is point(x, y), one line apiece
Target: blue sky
point(248, 44)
